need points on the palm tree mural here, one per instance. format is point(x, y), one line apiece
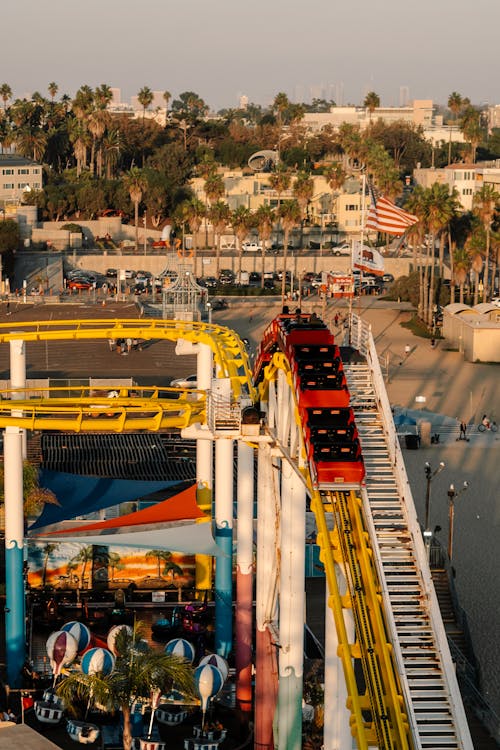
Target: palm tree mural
point(48, 549)
point(84, 557)
point(138, 673)
point(165, 565)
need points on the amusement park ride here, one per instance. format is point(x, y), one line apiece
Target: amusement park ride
point(314, 418)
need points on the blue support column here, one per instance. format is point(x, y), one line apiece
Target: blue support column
point(224, 538)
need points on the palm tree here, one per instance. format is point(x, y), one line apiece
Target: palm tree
point(484, 203)
point(145, 97)
point(290, 215)
point(96, 123)
point(264, 219)
point(303, 189)
point(52, 88)
point(455, 103)
point(461, 268)
point(103, 95)
point(167, 96)
point(214, 191)
point(138, 673)
point(111, 148)
point(194, 211)
point(472, 130)
point(241, 219)
point(136, 184)
point(5, 93)
point(372, 102)
point(220, 216)
point(441, 206)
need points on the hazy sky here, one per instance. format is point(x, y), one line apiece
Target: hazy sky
point(224, 48)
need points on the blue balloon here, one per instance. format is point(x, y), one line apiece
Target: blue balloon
point(98, 661)
point(180, 647)
point(208, 681)
point(80, 633)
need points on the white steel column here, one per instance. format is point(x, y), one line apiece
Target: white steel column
point(204, 465)
point(337, 729)
point(292, 609)
point(18, 377)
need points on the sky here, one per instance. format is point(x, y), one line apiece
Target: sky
point(224, 48)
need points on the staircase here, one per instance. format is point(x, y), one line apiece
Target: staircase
point(431, 708)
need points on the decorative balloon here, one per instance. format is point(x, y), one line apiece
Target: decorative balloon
point(208, 681)
point(112, 636)
point(80, 633)
point(216, 661)
point(180, 647)
point(61, 650)
point(98, 661)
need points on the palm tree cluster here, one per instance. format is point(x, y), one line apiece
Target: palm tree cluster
point(139, 673)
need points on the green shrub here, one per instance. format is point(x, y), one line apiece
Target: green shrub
point(73, 228)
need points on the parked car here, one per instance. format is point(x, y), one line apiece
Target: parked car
point(252, 247)
point(388, 278)
point(79, 284)
point(209, 281)
point(188, 382)
point(112, 273)
point(343, 249)
point(226, 276)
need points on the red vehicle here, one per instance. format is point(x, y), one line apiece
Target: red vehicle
point(79, 284)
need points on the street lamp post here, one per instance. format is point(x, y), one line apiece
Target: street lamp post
point(209, 308)
point(429, 476)
point(452, 495)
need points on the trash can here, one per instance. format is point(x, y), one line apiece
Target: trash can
point(412, 442)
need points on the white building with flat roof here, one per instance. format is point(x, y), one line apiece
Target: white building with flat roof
point(18, 175)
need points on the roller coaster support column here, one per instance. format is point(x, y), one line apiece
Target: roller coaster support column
point(18, 377)
point(204, 466)
point(337, 728)
point(224, 538)
point(292, 609)
point(244, 577)
point(15, 626)
point(265, 668)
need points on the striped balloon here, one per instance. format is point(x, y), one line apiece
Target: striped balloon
point(98, 661)
point(112, 636)
point(216, 661)
point(80, 633)
point(180, 647)
point(208, 681)
point(61, 650)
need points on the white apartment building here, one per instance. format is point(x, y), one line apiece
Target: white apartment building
point(17, 175)
point(466, 179)
point(420, 112)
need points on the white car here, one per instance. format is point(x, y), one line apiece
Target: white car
point(189, 382)
point(495, 301)
point(251, 247)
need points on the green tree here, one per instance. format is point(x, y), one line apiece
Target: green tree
point(265, 217)
point(145, 97)
point(220, 216)
point(372, 102)
point(136, 184)
point(241, 220)
point(9, 236)
point(484, 203)
point(138, 673)
point(290, 215)
point(303, 189)
point(194, 212)
point(167, 96)
point(52, 88)
point(461, 268)
point(455, 103)
point(5, 93)
point(472, 129)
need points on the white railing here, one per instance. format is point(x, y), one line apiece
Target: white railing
point(362, 340)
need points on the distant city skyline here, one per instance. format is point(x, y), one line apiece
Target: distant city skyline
point(223, 50)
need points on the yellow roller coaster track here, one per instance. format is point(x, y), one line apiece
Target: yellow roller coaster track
point(349, 545)
point(230, 356)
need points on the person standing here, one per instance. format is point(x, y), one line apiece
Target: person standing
point(463, 430)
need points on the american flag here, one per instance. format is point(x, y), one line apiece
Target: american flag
point(385, 216)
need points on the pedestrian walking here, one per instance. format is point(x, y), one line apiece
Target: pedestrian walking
point(112, 344)
point(336, 319)
point(463, 430)
point(129, 345)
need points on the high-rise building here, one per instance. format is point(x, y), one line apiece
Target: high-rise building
point(243, 102)
point(117, 96)
point(404, 96)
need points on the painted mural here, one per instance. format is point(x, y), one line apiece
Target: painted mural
point(65, 565)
